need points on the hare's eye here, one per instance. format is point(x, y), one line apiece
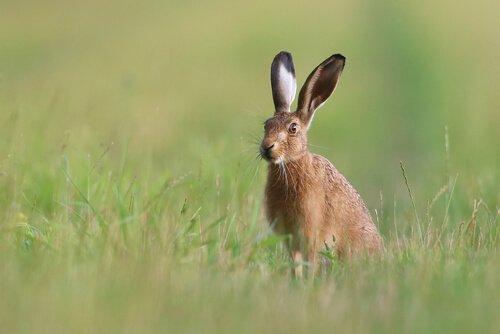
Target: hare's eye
point(293, 128)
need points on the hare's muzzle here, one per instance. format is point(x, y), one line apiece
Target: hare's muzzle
point(266, 150)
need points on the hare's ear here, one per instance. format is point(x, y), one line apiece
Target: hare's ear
point(283, 82)
point(319, 86)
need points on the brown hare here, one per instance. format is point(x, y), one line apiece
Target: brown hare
point(306, 197)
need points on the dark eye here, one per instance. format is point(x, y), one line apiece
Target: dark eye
point(293, 128)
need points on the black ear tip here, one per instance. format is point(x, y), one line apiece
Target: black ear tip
point(339, 57)
point(284, 56)
point(284, 53)
point(335, 60)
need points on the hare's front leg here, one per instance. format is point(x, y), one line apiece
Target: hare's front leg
point(297, 263)
point(303, 246)
point(311, 242)
point(296, 248)
point(310, 232)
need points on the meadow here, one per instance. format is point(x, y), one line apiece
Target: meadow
point(131, 198)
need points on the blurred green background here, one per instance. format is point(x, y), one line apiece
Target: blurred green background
point(180, 81)
point(108, 107)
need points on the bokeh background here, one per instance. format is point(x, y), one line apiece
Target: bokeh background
point(182, 82)
point(103, 99)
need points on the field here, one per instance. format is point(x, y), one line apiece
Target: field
point(131, 198)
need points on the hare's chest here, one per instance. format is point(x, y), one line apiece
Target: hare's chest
point(284, 217)
point(284, 223)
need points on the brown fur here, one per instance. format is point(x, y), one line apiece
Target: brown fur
point(306, 196)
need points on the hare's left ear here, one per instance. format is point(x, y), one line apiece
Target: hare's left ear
point(319, 86)
point(283, 82)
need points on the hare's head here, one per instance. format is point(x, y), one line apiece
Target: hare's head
point(285, 137)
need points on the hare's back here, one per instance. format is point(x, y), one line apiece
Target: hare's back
point(338, 190)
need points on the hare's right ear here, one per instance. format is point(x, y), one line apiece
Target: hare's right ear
point(283, 82)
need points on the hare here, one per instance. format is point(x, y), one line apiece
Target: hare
point(306, 197)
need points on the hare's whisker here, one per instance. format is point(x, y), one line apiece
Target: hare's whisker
point(322, 147)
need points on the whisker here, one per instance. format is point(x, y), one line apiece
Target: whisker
point(252, 136)
point(293, 165)
point(322, 147)
point(278, 179)
point(287, 170)
point(257, 170)
point(283, 167)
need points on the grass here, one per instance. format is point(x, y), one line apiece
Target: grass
point(130, 199)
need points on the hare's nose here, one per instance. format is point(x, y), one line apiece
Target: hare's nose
point(269, 147)
point(265, 150)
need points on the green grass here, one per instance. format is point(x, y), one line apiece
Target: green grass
point(130, 199)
